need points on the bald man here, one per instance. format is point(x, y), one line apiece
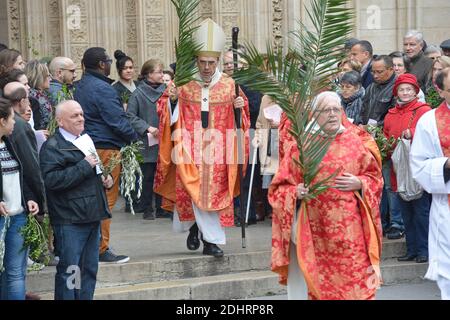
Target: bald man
point(63, 71)
point(24, 141)
point(77, 204)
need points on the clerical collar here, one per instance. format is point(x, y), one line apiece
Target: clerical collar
point(67, 135)
point(214, 80)
point(448, 105)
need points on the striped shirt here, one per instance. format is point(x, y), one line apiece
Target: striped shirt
point(12, 194)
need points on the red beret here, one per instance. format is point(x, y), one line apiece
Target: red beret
point(406, 78)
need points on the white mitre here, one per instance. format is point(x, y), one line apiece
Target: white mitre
point(211, 37)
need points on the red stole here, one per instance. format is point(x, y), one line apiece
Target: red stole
point(443, 127)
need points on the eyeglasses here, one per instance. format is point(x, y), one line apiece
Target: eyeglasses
point(329, 110)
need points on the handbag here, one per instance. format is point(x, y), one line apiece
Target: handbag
point(407, 187)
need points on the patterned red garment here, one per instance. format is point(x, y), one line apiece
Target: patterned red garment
point(286, 139)
point(443, 126)
point(211, 186)
point(340, 241)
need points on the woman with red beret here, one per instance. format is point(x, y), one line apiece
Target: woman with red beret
point(401, 122)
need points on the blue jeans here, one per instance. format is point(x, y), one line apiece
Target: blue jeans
point(76, 272)
point(391, 215)
point(416, 216)
point(15, 260)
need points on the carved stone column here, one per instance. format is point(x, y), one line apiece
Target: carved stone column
point(277, 24)
point(76, 26)
point(16, 24)
point(156, 29)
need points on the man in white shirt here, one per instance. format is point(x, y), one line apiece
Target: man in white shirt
point(430, 165)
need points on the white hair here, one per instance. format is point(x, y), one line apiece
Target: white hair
point(321, 98)
point(63, 106)
point(416, 35)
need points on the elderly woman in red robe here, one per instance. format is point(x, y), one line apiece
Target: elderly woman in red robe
point(329, 247)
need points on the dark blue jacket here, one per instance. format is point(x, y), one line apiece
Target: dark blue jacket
point(367, 77)
point(105, 119)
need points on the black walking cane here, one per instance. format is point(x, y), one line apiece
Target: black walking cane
point(238, 119)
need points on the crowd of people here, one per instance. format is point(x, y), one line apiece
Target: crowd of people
point(48, 117)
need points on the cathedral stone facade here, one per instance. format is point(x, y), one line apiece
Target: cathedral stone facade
point(146, 29)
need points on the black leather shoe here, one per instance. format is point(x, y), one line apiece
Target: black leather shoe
point(406, 258)
point(149, 214)
point(211, 249)
point(395, 234)
point(421, 259)
point(193, 242)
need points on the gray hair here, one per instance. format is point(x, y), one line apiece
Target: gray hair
point(320, 99)
point(63, 106)
point(416, 35)
point(432, 49)
point(351, 77)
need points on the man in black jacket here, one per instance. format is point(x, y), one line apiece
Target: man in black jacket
point(419, 64)
point(379, 96)
point(77, 204)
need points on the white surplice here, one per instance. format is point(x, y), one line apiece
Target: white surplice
point(427, 165)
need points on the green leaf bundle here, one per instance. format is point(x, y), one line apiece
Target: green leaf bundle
point(36, 239)
point(186, 47)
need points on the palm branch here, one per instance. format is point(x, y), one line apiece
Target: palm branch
point(293, 81)
point(186, 47)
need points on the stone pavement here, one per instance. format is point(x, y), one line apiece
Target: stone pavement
point(143, 240)
point(161, 267)
point(425, 290)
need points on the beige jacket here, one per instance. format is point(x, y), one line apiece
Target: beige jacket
point(269, 164)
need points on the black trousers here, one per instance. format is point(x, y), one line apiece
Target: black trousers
point(148, 196)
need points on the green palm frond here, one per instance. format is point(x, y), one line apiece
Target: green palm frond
point(293, 81)
point(186, 46)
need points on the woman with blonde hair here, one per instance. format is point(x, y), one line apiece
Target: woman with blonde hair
point(433, 98)
point(39, 82)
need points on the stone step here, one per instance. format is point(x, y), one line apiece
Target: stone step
point(162, 270)
point(221, 287)
point(394, 272)
point(393, 249)
point(231, 286)
point(187, 267)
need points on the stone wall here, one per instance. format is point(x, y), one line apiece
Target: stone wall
point(146, 29)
